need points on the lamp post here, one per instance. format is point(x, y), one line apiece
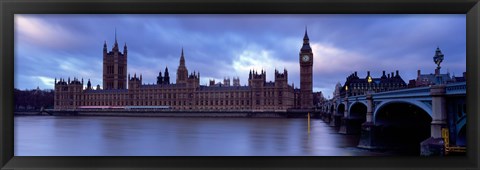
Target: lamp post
point(435, 144)
point(344, 125)
point(345, 113)
point(346, 91)
point(369, 117)
point(369, 80)
point(369, 136)
point(345, 103)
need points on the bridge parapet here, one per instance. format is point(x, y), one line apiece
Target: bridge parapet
point(456, 88)
point(411, 92)
point(451, 89)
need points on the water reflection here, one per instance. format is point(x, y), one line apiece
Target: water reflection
point(152, 136)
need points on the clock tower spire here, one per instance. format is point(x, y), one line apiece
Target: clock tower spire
point(306, 73)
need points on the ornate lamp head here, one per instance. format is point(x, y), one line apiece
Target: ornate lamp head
point(438, 58)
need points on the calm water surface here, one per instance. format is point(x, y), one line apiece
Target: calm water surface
point(158, 136)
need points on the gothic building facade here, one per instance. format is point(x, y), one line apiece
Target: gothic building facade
point(114, 67)
point(354, 85)
point(187, 93)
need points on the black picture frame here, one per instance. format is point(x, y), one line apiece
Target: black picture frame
point(10, 7)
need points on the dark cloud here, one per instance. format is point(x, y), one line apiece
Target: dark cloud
point(218, 46)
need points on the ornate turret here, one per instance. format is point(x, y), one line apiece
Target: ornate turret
point(159, 78)
point(182, 72)
point(306, 43)
point(89, 85)
point(125, 49)
point(193, 80)
point(236, 81)
point(115, 45)
point(166, 78)
point(226, 81)
point(105, 47)
point(182, 59)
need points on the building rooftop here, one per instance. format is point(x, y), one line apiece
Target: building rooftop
point(107, 91)
point(219, 88)
point(432, 77)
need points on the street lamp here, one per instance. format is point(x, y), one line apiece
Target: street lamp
point(346, 90)
point(369, 83)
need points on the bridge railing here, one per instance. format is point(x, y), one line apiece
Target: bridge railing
point(453, 88)
point(418, 91)
point(456, 88)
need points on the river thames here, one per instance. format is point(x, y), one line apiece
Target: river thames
point(174, 136)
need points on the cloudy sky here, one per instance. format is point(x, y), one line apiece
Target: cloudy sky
point(218, 46)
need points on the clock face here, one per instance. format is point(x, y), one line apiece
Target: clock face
point(305, 58)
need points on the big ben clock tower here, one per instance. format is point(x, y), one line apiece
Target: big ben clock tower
point(306, 69)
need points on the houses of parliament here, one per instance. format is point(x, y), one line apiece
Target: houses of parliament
point(124, 90)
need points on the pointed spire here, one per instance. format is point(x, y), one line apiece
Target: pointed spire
point(306, 43)
point(182, 59)
point(305, 37)
point(115, 45)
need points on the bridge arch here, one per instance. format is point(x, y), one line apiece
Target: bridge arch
point(423, 106)
point(403, 125)
point(358, 110)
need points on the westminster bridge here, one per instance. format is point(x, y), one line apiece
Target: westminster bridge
point(410, 118)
